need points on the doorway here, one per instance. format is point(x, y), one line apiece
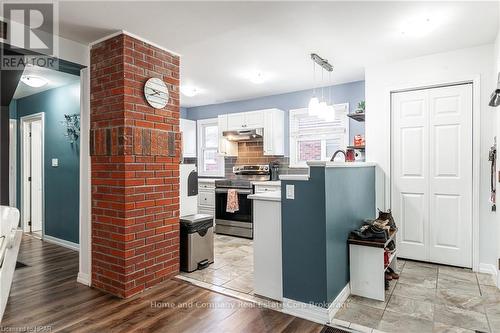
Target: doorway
point(32, 174)
point(432, 173)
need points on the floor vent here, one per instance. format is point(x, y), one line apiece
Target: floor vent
point(330, 329)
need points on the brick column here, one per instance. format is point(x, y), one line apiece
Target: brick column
point(135, 152)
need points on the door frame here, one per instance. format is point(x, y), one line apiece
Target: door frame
point(23, 121)
point(13, 163)
point(476, 141)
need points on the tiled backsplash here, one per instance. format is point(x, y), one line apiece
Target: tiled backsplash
point(253, 153)
point(250, 153)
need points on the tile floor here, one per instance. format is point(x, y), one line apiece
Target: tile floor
point(232, 267)
point(232, 271)
point(428, 298)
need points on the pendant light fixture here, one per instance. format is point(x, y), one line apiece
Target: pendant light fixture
point(316, 107)
point(313, 107)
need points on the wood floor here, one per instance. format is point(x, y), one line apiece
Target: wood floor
point(46, 294)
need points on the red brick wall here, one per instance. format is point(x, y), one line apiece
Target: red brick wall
point(135, 176)
point(310, 150)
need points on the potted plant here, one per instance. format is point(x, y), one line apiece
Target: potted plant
point(361, 107)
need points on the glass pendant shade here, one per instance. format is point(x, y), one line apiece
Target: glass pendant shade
point(313, 107)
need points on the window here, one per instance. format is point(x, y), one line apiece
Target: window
point(314, 139)
point(210, 163)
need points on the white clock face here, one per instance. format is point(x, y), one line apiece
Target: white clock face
point(156, 93)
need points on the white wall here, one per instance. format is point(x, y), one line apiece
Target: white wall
point(496, 66)
point(455, 66)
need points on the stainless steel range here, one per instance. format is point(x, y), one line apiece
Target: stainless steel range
point(239, 223)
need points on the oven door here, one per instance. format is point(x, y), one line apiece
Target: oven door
point(240, 217)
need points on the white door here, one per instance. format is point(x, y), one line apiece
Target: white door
point(36, 176)
point(432, 174)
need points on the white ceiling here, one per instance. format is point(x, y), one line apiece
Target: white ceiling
point(220, 42)
point(55, 79)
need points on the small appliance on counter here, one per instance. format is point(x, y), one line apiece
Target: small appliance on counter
point(274, 168)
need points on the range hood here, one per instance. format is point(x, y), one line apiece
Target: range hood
point(244, 135)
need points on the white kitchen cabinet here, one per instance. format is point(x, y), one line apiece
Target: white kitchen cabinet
point(274, 132)
point(254, 119)
point(235, 121)
point(226, 147)
point(206, 196)
point(271, 120)
point(268, 276)
point(267, 188)
point(245, 120)
point(188, 130)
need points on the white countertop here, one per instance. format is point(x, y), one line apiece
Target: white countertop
point(294, 177)
point(266, 196)
point(207, 180)
point(341, 164)
point(267, 182)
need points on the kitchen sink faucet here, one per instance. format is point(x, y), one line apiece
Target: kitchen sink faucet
point(336, 153)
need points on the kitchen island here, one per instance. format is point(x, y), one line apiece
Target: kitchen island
point(318, 212)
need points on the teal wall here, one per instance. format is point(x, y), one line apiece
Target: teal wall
point(61, 183)
point(345, 211)
point(315, 228)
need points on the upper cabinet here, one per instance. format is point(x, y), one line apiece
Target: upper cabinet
point(188, 130)
point(245, 120)
point(271, 120)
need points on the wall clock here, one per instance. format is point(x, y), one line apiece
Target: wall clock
point(156, 93)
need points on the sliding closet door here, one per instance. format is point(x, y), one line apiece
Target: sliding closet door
point(450, 110)
point(432, 174)
point(411, 173)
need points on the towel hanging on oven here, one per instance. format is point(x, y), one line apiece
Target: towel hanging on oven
point(232, 201)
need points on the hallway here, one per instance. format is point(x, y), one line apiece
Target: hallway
point(46, 294)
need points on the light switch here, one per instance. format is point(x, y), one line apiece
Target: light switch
point(290, 192)
point(55, 162)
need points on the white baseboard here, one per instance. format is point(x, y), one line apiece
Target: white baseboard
point(313, 312)
point(83, 279)
point(488, 269)
point(61, 242)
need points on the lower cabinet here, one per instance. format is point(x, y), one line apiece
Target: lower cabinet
point(268, 277)
point(206, 198)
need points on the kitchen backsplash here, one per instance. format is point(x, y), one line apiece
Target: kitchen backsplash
point(250, 153)
point(253, 153)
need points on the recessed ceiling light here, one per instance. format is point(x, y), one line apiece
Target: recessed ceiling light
point(258, 77)
point(419, 26)
point(34, 81)
point(190, 91)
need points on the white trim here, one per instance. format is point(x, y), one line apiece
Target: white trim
point(476, 147)
point(124, 32)
point(293, 139)
point(488, 269)
point(22, 122)
point(313, 312)
point(61, 242)
point(200, 146)
point(13, 162)
point(85, 217)
point(83, 278)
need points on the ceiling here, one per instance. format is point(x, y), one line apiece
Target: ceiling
point(55, 79)
point(222, 42)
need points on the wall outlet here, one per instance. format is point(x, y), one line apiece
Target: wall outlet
point(290, 192)
point(55, 162)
